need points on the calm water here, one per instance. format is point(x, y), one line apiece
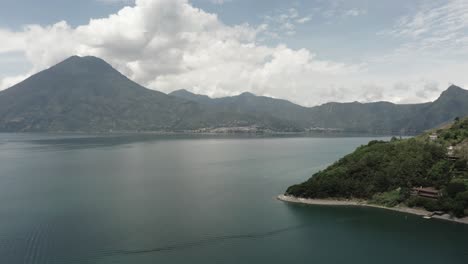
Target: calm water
point(173, 199)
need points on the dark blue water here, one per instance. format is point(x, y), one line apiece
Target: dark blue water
point(179, 199)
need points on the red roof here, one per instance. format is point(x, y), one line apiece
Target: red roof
point(426, 190)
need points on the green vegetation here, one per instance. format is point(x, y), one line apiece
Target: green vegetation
point(385, 172)
point(376, 168)
point(454, 135)
point(389, 199)
point(379, 117)
point(86, 94)
point(455, 201)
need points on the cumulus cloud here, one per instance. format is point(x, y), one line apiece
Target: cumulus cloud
point(15, 41)
point(170, 44)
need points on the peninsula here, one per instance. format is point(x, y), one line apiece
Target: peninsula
point(425, 175)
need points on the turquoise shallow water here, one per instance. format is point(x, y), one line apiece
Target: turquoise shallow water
point(185, 199)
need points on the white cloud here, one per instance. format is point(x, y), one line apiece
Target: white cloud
point(284, 23)
point(169, 44)
point(303, 20)
point(432, 53)
point(336, 9)
point(219, 2)
point(443, 26)
point(15, 41)
point(12, 80)
point(354, 12)
point(117, 1)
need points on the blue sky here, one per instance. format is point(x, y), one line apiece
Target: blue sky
point(15, 14)
point(307, 51)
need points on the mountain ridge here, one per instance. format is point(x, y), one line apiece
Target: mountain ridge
point(87, 94)
point(374, 117)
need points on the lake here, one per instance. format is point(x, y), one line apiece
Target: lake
point(194, 199)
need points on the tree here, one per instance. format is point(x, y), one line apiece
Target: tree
point(455, 188)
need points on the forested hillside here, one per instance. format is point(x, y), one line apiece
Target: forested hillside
point(386, 172)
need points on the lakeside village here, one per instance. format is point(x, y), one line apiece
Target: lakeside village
point(259, 130)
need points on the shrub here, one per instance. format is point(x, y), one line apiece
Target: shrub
point(458, 208)
point(460, 165)
point(388, 199)
point(453, 188)
point(428, 204)
point(405, 193)
point(463, 197)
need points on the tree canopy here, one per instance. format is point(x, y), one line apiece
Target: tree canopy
point(385, 172)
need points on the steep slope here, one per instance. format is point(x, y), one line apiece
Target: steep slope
point(87, 94)
point(386, 172)
point(384, 117)
point(378, 117)
point(452, 103)
point(247, 103)
point(184, 94)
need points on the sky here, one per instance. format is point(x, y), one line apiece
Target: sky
point(307, 51)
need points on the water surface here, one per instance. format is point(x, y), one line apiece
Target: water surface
point(186, 199)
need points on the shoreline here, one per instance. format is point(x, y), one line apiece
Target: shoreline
point(363, 203)
point(272, 133)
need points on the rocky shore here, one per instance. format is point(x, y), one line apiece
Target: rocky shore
point(400, 208)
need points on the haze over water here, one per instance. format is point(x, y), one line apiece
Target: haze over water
point(192, 199)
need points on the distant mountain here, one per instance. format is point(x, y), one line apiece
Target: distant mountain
point(452, 103)
point(378, 117)
point(184, 94)
point(85, 94)
point(384, 117)
point(248, 103)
